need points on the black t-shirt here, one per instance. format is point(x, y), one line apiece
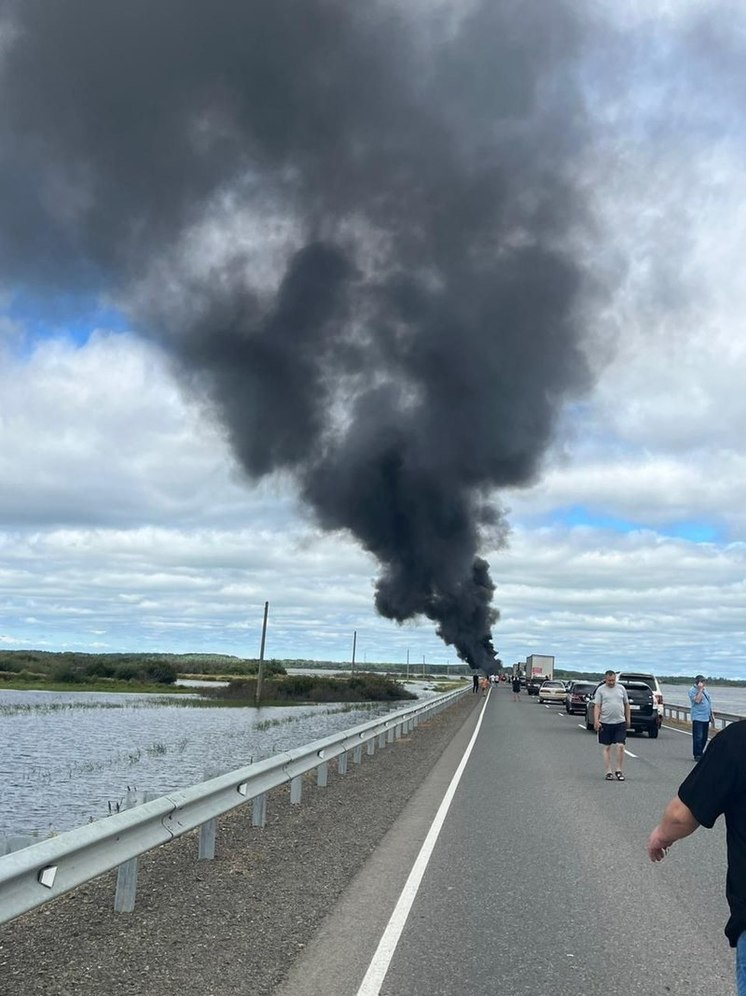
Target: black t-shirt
point(717, 786)
point(516, 685)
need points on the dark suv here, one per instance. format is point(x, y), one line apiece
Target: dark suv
point(642, 708)
point(534, 683)
point(577, 693)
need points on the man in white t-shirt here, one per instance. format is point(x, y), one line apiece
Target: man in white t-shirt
point(611, 716)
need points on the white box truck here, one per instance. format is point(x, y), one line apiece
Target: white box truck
point(539, 664)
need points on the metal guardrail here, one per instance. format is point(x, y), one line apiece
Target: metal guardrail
point(683, 714)
point(41, 872)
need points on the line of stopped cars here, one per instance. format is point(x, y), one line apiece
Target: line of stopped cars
point(643, 691)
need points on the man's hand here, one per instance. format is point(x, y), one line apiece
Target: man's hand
point(677, 822)
point(657, 846)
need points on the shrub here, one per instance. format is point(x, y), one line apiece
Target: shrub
point(126, 672)
point(66, 673)
point(162, 673)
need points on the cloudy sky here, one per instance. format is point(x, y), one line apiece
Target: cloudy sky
point(130, 517)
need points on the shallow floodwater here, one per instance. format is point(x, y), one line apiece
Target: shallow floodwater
point(65, 757)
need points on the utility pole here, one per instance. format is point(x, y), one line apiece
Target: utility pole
point(407, 663)
point(260, 673)
point(354, 644)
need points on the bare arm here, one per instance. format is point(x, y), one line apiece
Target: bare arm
point(677, 822)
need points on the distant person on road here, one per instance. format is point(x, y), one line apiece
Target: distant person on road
point(475, 682)
point(516, 688)
point(715, 787)
point(701, 716)
point(484, 684)
point(611, 717)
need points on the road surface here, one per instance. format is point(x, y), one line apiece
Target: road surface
point(538, 882)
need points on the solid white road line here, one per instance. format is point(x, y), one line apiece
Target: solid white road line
point(379, 966)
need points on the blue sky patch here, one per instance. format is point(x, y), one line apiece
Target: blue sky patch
point(694, 532)
point(72, 316)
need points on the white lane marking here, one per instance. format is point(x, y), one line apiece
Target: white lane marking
point(687, 733)
point(379, 966)
point(629, 753)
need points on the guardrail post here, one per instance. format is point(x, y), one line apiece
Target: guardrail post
point(207, 841)
point(342, 764)
point(259, 810)
point(296, 790)
point(357, 755)
point(124, 897)
point(372, 745)
point(390, 735)
point(322, 774)
point(397, 731)
point(382, 740)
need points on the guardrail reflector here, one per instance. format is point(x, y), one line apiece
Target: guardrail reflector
point(47, 876)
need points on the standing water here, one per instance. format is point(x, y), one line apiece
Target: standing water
point(68, 757)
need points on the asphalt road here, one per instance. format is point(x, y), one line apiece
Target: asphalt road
point(539, 882)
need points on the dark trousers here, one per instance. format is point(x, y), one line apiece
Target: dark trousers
point(699, 736)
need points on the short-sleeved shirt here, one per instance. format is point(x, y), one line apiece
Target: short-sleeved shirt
point(715, 787)
point(700, 710)
point(516, 684)
point(612, 702)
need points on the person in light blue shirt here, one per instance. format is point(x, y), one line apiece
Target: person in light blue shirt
point(701, 716)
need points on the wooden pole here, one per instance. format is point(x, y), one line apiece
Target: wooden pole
point(260, 673)
point(354, 643)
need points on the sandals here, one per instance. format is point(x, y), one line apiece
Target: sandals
point(619, 776)
point(609, 777)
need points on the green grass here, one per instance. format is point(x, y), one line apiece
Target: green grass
point(21, 683)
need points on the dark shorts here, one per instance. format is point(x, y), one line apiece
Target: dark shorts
point(612, 733)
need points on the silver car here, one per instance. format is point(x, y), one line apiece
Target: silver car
point(552, 691)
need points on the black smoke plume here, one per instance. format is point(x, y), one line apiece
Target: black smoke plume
point(349, 223)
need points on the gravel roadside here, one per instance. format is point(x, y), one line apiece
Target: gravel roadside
point(232, 926)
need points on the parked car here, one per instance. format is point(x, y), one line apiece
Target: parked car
point(576, 695)
point(649, 679)
point(643, 712)
point(552, 691)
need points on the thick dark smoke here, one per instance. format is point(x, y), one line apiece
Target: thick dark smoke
point(349, 224)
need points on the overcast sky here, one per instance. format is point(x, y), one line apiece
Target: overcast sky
point(128, 523)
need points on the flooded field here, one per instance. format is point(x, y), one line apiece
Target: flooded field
point(65, 757)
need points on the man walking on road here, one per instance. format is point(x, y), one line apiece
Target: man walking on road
point(715, 787)
point(701, 715)
point(611, 717)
